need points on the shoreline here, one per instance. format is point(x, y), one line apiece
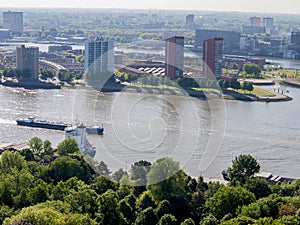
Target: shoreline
point(204, 95)
point(291, 82)
point(277, 97)
point(30, 85)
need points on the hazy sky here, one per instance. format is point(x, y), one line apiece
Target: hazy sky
point(267, 6)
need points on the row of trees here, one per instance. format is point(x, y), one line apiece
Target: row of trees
point(251, 71)
point(42, 185)
point(185, 83)
point(245, 86)
point(16, 73)
point(69, 76)
point(44, 74)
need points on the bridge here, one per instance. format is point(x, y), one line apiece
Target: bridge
point(55, 67)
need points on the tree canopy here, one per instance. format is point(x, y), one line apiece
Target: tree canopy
point(53, 189)
point(242, 168)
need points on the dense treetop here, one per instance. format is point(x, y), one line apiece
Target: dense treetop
point(40, 187)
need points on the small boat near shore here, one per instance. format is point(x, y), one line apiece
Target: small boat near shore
point(269, 177)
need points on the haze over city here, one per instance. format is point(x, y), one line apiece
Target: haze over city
point(266, 6)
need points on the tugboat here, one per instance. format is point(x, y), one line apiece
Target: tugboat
point(95, 130)
point(32, 122)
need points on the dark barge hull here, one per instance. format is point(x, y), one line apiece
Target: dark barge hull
point(43, 125)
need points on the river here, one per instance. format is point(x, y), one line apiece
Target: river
point(204, 136)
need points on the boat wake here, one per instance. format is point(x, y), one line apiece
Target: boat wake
point(6, 121)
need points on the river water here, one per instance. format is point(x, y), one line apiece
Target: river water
point(204, 136)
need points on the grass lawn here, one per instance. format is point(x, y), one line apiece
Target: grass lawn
point(173, 88)
point(207, 90)
point(262, 92)
point(256, 91)
point(152, 86)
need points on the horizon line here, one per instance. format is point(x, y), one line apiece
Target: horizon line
point(153, 9)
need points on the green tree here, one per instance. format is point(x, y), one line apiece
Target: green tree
point(144, 201)
point(21, 200)
point(235, 85)
point(36, 145)
point(108, 211)
point(163, 207)
point(138, 174)
point(127, 211)
point(102, 169)
point(252, 69)
point(47, 147)
point(247, 86)
point(45, 73)
point(38, 193)
point(259, 187)
point(64, 168)
point(209, 220)
point(5, 212)
point(82, 200)
point(228, 199)
point(104, 183)
point(47, 215)
point(188, 221)
point(165, 179)
point(264, 207)
point(167, 219)
point(147, 216)
point(27, 154)
point(250, 87)
point(117, 176)
point(224, 84)
point(10, 160)
point(243, 167)
point(145, 80)
point(240, 220)
point(212, 189)
point(67, 146)
point(6, 195)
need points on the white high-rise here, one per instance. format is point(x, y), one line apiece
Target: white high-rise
point(99, 56)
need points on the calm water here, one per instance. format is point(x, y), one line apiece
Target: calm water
point(203, 136)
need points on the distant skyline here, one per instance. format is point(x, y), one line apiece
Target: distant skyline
point(262, 6)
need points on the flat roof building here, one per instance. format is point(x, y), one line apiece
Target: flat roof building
point(28, 62)
point(255, 21)
point(99, 56)
point(231, 38)
point(212, 57)
point(5, 34)
point(174, 57)
point(13, 21)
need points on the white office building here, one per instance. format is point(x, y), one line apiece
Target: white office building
point(99, 56)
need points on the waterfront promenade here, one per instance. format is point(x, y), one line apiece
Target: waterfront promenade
point(291, 82)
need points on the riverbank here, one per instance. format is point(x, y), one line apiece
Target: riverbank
point(260, 82)
point(291, 82)
point(203, 94)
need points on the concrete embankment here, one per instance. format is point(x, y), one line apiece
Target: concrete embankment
point(260, 82)
point(31, 85)
point(293, 83)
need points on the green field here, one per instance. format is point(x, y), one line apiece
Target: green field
point(256, 91)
